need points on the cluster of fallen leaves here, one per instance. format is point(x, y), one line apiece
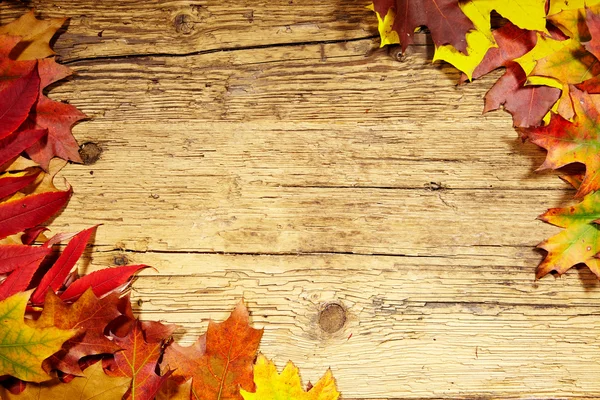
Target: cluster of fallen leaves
point(69, 337)
point(550, 50)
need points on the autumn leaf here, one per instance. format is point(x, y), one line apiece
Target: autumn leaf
point(18, 256)
point(56, 275)
point(24, 347)
point(93, 385)
point(220, 363)
point(89, 316)
point(35, 36)
point(573, 142)
point(138, 360)
point(22, 213)
point(444, 18)
point(101, 282)
point(16, 100)
point(578, 243)
point(286, 386)
point(12, 183)
point(14, 144)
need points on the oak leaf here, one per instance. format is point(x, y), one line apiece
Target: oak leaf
point(287, 386)
point(24, 347)
point(93, 385)
point(219, 363)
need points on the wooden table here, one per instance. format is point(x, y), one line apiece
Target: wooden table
point(271, 151)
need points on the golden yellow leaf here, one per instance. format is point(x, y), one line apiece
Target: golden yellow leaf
point(557, 6)
point(94, 384)
point(384, 25)
point(35, 35)
point(287, 386)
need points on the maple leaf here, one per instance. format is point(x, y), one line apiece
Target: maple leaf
point(89, 316)
point(528, 104)
point(16, 100)
point(24, 347)
point(573, 142)
point(444, 18)
point(138, 360)
point(171, 390)
point(219, 363)
point(578, 243)
point(58, 118)
point(35, 36)
point(94, 384)
point(273, 386)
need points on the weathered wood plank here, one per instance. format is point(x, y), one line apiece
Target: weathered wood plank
point(416, 326)
point(284, 150)
point(117, 28)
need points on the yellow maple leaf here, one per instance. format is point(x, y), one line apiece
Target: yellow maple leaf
point(384, 26)
point(24, 347)
point(35, 35)
point(94, 384)
point(287, 386)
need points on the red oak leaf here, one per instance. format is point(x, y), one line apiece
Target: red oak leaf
point(573, 142)
point(219, 363)
point(444, 18)
point(90, 316)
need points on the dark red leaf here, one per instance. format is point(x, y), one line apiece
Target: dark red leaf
point(527, 103)
point(12, 184)
point(18, 215)
point(31, 234)
point(16, 101)
point(101, 282)
point(444, 18)
point(16, 256)
point(13, 145)
point(54, 278)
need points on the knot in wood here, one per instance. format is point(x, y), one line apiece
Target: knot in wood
point(332, 317)
point(184, 24)
point(120, 260)
point(90, 153)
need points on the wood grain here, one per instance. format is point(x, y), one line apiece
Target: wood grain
point(305, 166)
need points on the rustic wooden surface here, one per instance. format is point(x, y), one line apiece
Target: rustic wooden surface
point(271, 151)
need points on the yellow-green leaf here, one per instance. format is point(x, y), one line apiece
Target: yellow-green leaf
point(24, 347)
point(287, 386)
point(94, 384)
